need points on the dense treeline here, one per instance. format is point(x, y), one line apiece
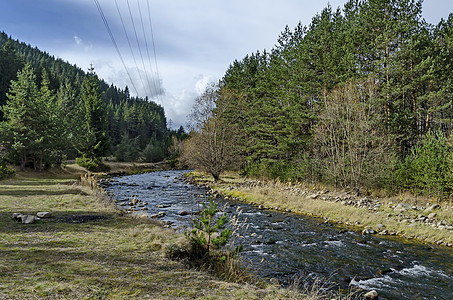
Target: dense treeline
point(353, 99)
point(52, 110)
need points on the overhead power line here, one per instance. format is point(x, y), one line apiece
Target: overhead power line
point(147, 51)
point(138, 44)
point(152, 85)
point(104, 19)
point(154, 49)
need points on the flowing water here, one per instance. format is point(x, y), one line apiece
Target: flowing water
point(289, 246)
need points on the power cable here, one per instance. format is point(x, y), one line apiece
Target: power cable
point(138, 43)
point(129, 42)
point(154, 49)
point(147, 50)
point(104, 19)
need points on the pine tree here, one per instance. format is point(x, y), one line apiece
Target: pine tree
point(45, 124)
point(96, 136)
point(10, 64)
point(21, 114)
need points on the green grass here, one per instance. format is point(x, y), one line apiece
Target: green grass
point(90, 251)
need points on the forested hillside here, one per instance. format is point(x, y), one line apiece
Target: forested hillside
point(52, 110)
point(361, 97)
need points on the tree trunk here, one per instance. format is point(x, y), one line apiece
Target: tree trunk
point(216, 176)
point(23, 160)
point(40, 162)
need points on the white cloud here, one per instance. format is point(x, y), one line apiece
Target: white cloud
point(202, 83)
point(80, 43)
point(78, 40)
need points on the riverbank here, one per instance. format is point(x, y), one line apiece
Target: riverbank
point(87, 249)
point(403, 215)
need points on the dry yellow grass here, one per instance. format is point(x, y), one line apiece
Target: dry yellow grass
point(89, 251)
point(274, 194)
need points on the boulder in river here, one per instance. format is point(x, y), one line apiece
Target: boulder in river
point(368, 231)
point(372, 295)
point(163, 205)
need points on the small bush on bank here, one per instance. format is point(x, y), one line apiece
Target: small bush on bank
point(5, 172)
point(428, 170)
point(93, 165)
point(207, 247)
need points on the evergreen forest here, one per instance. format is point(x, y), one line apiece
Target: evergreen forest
point(361, 97)
point(52, 111)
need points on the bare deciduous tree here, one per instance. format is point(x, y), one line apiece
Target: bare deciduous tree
point(211, 146)
point(352, 147)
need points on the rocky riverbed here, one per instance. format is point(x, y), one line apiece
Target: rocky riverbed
point(282, 246)
point(428, 214)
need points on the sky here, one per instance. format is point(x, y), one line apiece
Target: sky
point(194, 40)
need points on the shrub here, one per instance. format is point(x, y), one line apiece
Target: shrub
point(5, 172)
point(209, 232)
point(284, 170)
point(154, 151)
point(207, 246)
point(93, 165)
point(128, 149)
point(428, 169)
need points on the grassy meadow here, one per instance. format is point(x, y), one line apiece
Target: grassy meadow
point(89, 250)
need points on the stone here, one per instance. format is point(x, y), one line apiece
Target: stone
point(384, 232)
point(432, 215)
point(385, 271)
point(163, 206)
point(17, 217)
point(379, 227)
point(28, 219)
point(313, 196)
point(372, 295)
point(368, 231)
point(402, 207)
point(161, 214)
point(433, 207)
point(44, 215)
point(184, 213)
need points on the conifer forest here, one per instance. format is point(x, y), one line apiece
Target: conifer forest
point(52, 110)
point(360, 97)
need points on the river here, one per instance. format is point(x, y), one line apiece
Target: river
point(287, 246)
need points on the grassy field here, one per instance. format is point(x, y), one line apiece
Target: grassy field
point(88, 250)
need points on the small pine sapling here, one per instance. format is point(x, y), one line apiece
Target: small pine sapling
point(209, 231)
